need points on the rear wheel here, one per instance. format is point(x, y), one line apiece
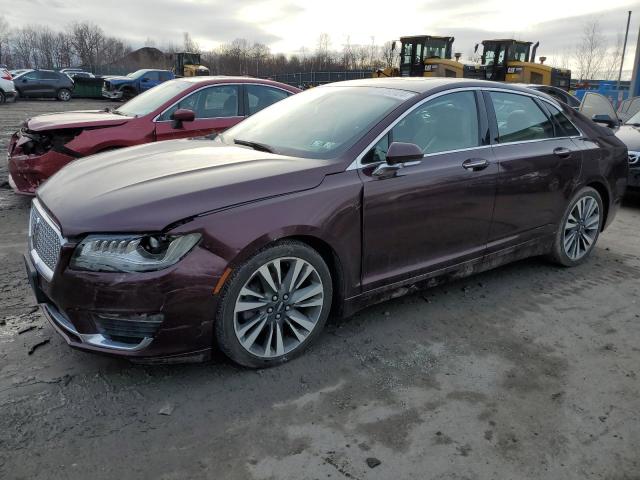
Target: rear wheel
point(274, 305)
point(579, 228)
point(64, 95)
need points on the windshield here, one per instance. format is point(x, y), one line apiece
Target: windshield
point(519, 52)
point(136, 74)
point(153, 98)
point(318, 123)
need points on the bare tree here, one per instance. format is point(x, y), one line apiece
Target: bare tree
point(24, 47)
point(611, 63)
point(4, 40)
point(189, 44)
point(590, 52)
point(389, 55)
point(87, 39)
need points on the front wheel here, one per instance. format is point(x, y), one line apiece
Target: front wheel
point(64, 95)
point(274, 305)
point(579, 228)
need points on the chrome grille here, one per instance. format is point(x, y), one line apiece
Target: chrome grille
point(45, 241)
point(634, 158)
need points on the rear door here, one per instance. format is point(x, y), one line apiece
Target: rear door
point(538, 165)
point(435, 212)
point(216, 108)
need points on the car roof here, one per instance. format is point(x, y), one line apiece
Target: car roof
point(422, 85)
point(237, 79)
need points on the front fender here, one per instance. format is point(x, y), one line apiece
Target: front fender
point(329, 213)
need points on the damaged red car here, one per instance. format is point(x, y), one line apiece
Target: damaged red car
point(181, 108)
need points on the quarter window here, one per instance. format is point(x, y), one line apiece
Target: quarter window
point(566, 128)
point(261, 97)
point(213, 102)
point(519, 118)
point(448, 122)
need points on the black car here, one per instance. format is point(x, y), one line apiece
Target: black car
point(44, 84)
point(557, 93)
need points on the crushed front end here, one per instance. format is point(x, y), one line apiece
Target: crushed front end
point(35, 156)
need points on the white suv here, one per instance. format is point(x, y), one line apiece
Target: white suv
point(7, 88)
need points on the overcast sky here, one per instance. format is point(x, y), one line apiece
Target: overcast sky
point(286, 25)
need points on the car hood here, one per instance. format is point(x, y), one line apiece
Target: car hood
point(117, 78)
point(149, 187)
point(78, 119)
point(630, 135)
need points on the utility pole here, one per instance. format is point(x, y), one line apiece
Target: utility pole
point(624, 48)
point(635, 76)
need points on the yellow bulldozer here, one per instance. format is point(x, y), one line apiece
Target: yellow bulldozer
point(503, 60)
point(513, 61)
point(429, 56)
point(188, 64)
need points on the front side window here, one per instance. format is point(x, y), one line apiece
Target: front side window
point(261, 97)
point(212, 102)
point(519, 118)
point(152, 76)
point(446, 123)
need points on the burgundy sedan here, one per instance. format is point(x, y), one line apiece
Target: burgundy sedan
point(331, 200)
point(182, 108)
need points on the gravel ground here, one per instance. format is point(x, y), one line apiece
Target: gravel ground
point(526, 372)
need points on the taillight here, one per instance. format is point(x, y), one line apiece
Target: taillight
point(6, 76)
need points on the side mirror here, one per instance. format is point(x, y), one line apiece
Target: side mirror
point(182, 115)
point(400, 152)
point(605, 120)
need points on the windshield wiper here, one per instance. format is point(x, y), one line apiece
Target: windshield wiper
point(255, 145)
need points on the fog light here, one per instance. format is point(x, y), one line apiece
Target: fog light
point(127, 327)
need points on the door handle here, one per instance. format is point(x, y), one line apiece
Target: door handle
point(562, 152)
point(475, 164)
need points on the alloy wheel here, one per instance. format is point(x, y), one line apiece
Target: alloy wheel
point(581, 228)
point(278, 307)
point(64, 95)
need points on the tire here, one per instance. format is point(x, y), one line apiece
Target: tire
point(128, 94)
point(64, 95)
point(262, 337)
point(3, 97)
point(577, 235)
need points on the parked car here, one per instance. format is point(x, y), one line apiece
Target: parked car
point(44, 84)
point(7, 87)
point(628, 108)
point(81, 75)
point(558, 94)
point(335, 198)
point(599, 107)
point(71, 70)
point(188, 107)
point(116, 88)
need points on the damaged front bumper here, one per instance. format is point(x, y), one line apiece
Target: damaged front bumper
point(27, 171)
point(112, 94)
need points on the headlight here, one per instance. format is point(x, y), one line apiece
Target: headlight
point(131, 253)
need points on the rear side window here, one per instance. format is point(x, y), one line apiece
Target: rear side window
point(164, 76)
point(261, 97)
point(52, 75)
point(519, 118)
point(566, 128)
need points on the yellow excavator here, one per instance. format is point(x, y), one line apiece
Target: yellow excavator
point(513, 61)
point(429, 56)
point(188, 65)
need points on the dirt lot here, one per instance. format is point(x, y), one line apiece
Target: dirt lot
point(526, 372)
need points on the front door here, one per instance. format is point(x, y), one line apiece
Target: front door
point(436, 212)
point(216, 108)
point(539, 164)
